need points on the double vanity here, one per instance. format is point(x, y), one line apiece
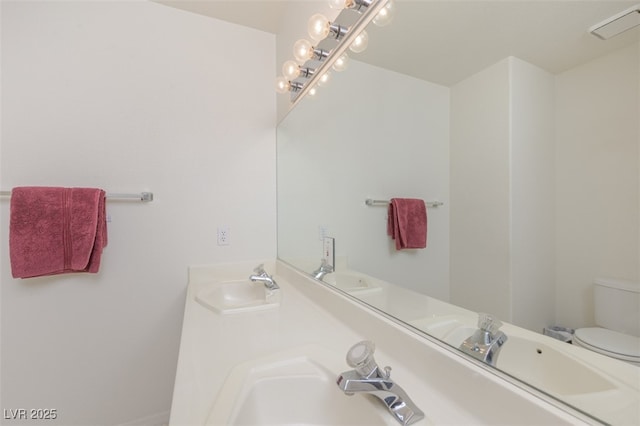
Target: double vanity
point(303, 353)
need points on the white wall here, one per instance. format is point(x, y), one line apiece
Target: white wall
point(329, 163)
point(128, 96)
point(480, 204)
point(502, 172)
point(598, 140)
point(532, 98)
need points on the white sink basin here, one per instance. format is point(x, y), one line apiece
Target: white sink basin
point(547, 368)
point(438, 326)
point(293, 388)
point(228, 297)
point(351, 282)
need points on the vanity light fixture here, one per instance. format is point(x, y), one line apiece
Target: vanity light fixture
point(291, 70)
point(385, 16)
point(617, 24)
point(324, 79)
point(285, 86)
point(360, 42)
point(350, 4)
point(320, 27)
point(331, 40)
point(303, 50)
point(341, 63)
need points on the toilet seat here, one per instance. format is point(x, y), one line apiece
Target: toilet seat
point(610, 343)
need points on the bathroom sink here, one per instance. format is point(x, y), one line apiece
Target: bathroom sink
point(438, 326)
point(351, 282)
point(541, 365)
point(549, 369)
point(294, 388)
point(228, 297)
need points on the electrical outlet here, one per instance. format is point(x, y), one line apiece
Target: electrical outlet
point(223, 236)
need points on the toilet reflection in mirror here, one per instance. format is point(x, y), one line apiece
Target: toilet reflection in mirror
point(617, 317)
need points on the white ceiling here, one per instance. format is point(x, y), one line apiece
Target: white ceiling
point(264, 15)
point(444, 41)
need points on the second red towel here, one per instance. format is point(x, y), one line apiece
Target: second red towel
point(407, 223)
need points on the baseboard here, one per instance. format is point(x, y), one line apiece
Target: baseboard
point(158, 419)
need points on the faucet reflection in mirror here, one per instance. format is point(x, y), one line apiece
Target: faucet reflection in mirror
point(485, 343)
point(313, 61)
point(323, 270)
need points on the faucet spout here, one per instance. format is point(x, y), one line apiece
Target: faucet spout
point(260, 275)
point(386, 390)
point(366, 377)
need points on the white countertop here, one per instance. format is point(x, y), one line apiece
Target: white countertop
point(447, 387)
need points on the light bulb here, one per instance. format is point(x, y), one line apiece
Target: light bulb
point(385, 15)
point(312, 92)
point(360, 43)
point(341, 63)
point(324, 79)
point(340, 4)
point(302, 50)
point(318, 27)
point(282, 85)
point(290, 69)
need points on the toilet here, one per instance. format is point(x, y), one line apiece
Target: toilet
point(617, 316)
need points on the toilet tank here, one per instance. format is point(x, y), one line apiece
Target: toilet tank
point(617, 305)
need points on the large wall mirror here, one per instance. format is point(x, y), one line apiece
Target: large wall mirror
point(522, 124)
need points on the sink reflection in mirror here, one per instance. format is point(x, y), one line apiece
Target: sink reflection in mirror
point(550, 369)
point(557, 368)
point(541, 365)
point(351, 282)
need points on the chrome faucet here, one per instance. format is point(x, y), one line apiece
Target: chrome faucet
point(323, 270)
point(486, 342)
point(366, 377)
point(262, 276)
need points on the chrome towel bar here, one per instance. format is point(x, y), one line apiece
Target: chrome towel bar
point(371, 202)
point(142, 196)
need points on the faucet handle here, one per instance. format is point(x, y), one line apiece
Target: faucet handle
point(488, 323)
point(387, 373)
point(360, 357)
point(259, 269)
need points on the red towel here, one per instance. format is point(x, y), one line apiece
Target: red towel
point(407, 223)
point(56, 230)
